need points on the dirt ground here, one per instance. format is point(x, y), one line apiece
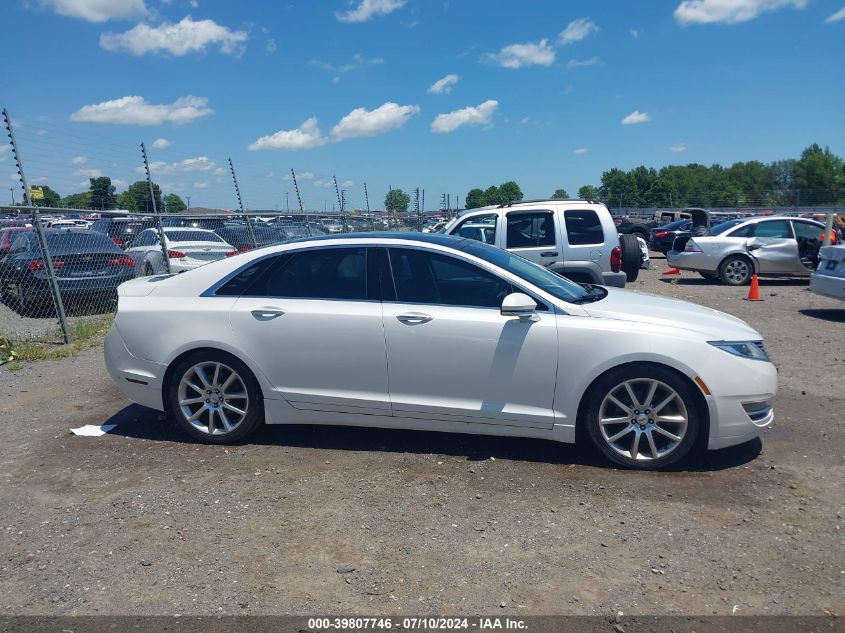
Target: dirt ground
point(306, 520)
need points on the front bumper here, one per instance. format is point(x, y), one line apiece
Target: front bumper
point(828, 285)
point(140, 380)
point(691, 261)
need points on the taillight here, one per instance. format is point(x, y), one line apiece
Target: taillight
point(231, 253)
point(660, 234)
point(40, 264)
point(617, 221)
point(692, 247)
point(117, 241)
point(121, 261)
point(175, 254)
point(616, 259)
point(244, 249)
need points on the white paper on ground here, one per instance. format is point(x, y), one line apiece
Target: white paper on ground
point(93, 430)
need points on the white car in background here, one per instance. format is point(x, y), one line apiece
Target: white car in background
point(479, 340)
point(187, 248)
point(829, 278)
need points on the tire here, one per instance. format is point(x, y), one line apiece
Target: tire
point(243, 410)
point(672, 393)
point(148, 270)
point(736, 270)
point(630, 256)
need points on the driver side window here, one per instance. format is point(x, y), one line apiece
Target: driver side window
point(422, 277)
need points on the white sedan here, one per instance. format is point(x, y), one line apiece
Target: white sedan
point(187, 248)
point(436, 333)
point(829, 278)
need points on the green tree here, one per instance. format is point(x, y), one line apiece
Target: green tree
point(819, 176)
point(619, 189)
point(397, 201)
point(588, 192)
point(492, 196)
point(474, 199)
point(509, 192)
point(139, 197)
point(174, 204)
point(102, 193)
point(125, 201)
point(51, 197)
point(560, 194)
point(77, 200)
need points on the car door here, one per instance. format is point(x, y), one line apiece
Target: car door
point(809, 239)
point(453, 356)
point(532, 235)
point(312, 323)
point(774, 247)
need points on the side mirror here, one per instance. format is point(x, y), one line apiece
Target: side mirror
point(520, 305)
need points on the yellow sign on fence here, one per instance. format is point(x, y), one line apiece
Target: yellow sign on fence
point(36, 193)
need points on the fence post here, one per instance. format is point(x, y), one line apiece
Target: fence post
point(249, 228)
point(159, 227)
point(39, 232)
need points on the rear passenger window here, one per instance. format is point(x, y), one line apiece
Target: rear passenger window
point(583, 227)
point(743, 231)
point(241, 283)
point(325, 273)
point(773, 228)
point(530, 230)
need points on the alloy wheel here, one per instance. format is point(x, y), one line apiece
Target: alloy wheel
point(737, 271)
point(213, 398)
point(643, 419)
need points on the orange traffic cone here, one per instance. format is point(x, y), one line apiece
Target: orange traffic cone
point(754, 290)
point(671, 271)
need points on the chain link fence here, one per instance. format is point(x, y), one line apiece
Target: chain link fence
point(60, 268)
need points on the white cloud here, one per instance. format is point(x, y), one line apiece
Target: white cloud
point(117, 182)
point(358, 62)
point(580, 150)
point(160, 143)
point(346, 184)
point(306, 175)
point(635, 33)
point(270, 46)
point(305, 136)
point(181, 38)
point(88, 173)
point(97, 10)
point(363, 122)
point(525, 120)
point(636, 117)
point(197, 164)
point(324, 183)
point(677, 148)
point(5, 152)
point(576, 31)
point(78, 160)
point(368, 9)
point(137, 111)
point(527, 54)
point(729, 11)
point(836, 17)
point(444, 85)
point(581, 63)
point(200, 185)
point(451, 121)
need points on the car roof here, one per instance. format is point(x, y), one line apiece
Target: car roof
point(428, 238)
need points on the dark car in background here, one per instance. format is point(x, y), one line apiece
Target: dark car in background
point(7, 235)
point(239, 236)
point(663, 237)
point(121, 230)
point(88, 265)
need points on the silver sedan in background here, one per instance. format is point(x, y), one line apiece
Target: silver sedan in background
point(769, 246)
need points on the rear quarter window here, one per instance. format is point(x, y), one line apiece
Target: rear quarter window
point(583, 227)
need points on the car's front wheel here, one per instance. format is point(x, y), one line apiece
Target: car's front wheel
point(643, 416)
point(214, 397)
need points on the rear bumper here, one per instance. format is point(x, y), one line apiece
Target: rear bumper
point(828, 285)
point(617, 280)
point(691, 261)
point(139, 380)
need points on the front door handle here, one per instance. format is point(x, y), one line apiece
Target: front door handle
point(414, 318)
point(267, 314)
point(548, 254)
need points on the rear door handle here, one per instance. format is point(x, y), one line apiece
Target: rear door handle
point(548, 254)
point(414, 318)
point(267, 314)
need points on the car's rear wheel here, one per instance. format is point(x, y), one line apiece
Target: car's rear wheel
point(736, 270)
point(631, 255)
point(643, 416)
point(214, 397)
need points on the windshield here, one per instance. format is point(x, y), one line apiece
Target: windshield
point(724, 226)
point(534, 274)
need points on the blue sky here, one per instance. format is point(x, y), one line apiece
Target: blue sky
point(544, 92)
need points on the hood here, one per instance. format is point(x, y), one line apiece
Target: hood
point(641, 307)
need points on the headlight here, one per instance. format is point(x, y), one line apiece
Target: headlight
point(745, 349)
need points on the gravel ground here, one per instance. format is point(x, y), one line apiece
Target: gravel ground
point(336, 520)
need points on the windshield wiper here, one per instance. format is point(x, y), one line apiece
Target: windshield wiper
point(594, 293)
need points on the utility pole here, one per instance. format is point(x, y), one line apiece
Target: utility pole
point(337, 191)
point(241, 204)
point(159, 227)
point(12, 189)
point(287, 201)
point(188, 201)
point(367, 198)
point(39, 231)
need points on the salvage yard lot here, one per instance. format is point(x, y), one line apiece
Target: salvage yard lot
point(142, 521)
